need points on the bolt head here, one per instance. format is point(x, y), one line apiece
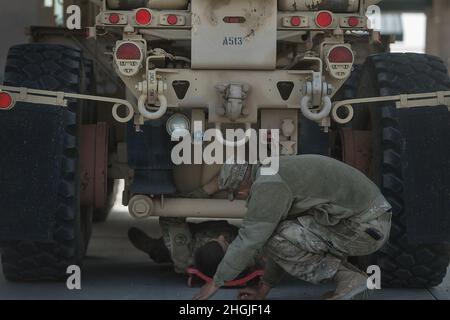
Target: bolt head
point(141, 207)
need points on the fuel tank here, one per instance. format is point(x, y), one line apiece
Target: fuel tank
point(152, 4)
point(315, 5)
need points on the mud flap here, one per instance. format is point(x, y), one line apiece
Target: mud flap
point(426, 172)
point(94, 165)
point(149, 156)
point(30, 158)
point(312, 140)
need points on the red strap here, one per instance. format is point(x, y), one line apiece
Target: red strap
point(233, 283)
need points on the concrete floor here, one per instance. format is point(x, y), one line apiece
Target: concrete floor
point(113, 269)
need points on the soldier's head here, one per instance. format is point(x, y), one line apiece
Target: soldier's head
point(208, 257)
point(236, 179)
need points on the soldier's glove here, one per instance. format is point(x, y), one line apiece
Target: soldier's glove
point(197, 194)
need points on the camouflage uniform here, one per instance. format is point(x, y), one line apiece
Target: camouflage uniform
point(309, 217)
point(182, 238)
point(312, 252)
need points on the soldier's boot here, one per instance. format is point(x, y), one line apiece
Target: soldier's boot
point(155, 248)
point(350, 283)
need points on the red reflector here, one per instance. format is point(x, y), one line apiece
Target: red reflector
point(324, 19)
point(234, 19)
point(114, 18)
point(296, 21)
point(5, 100)
point(172, 19)
point(353, 21)
point(143, 17)
point(128, 51)
point(340, 55)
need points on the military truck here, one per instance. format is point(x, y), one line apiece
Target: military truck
point(77, 115)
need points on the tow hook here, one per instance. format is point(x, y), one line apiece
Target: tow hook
point(152, 115)
point(159, 88)
point(233, 97)
point(306, 105)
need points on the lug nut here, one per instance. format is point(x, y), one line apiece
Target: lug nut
point(141, 206)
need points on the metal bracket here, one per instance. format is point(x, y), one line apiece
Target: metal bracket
point(316, 92)
point(152, 94)
point(151, 87)
point(233, 96)
point(316, 89)
point(56, 98)
point(431, 99)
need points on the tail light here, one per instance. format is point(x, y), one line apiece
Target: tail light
point(172, 19)
point(340, 54)
point(143, 17)
point(340, 61)
point(114, 18)
point(353, 21)
point(296, 21)
point(324, 19)
point(128, 51)
point(6, 101)
point(128, 57)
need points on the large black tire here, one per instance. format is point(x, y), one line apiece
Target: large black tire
point(60, 68)
point(403, 264)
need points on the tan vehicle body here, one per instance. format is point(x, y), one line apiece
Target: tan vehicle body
point(243, 63)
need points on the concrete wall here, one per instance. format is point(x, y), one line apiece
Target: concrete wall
point(438, 30)
point(15, 16)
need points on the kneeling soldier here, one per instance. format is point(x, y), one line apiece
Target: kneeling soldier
point(183, 244)
point(309, 218)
